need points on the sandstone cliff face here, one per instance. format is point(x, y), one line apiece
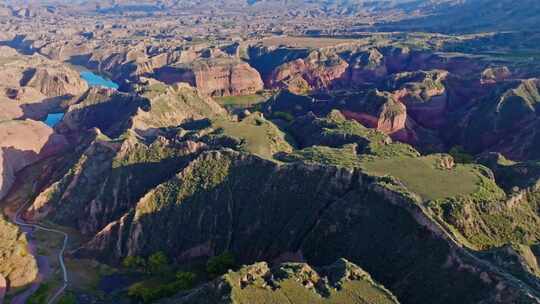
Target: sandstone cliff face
point(51, 78)
point(320, 70)
point(56, 82)
point(32, 86)
point(349, 67)
point(381, 111)
point(126, 63)
point(215, 77)
point(21, 144)
point(424, 94)
point(28, 88)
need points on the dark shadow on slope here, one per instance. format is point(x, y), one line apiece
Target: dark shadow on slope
point(171, 75)
point(299, 214)
point(39, 110)
point(27, 76)
point(105, 109)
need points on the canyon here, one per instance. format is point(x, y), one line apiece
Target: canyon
point(236, 151)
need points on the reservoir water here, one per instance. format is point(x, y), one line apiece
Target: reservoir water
point(93, 80)
point(53, 119)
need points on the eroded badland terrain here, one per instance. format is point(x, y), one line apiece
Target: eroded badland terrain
point(232, 151)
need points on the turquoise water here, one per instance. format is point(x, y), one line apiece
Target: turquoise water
point(94, 80)
point(53, 119)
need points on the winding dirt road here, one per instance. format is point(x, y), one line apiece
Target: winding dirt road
point(17, 220)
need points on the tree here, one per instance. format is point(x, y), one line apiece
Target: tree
point(133, 262)
point(460, 155)
point(157, 262)
point(141, 292)
point(220, 264)
point(185, 280)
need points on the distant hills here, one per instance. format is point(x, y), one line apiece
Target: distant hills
point(447, 16)
point(470, 16)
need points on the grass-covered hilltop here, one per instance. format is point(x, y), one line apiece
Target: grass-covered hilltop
point(281, 152)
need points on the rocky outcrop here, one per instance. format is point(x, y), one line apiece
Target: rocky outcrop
point(317, 71)
point(367, 67)
point(32, 86)
point(50, 78)
point(50, 82)
point(354, 66)
point(506, 121)
point(21, 144)
point(155, 106)
point(18, 267)
point(495, 74)
point(424, 95)
point(170, 106)
point(106, 109)
point(215, 77)
point(381, 111)
point(258, 283)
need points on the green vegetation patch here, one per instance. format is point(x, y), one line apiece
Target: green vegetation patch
point(40, 296)
point(424, 176)
point(335, 130)
point(301, 284)
point(342, 157)
point(258, 135)
point(240, 102)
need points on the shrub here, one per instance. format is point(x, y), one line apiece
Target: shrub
point(134, 262)
point(185, 280)
point(283, 115)
point(220, 264)
point(460, 156)
point(148, 292)
point(141, 292)
point(40, 296)
point(157, 262)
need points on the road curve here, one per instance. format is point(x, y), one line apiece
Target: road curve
point(21, 223)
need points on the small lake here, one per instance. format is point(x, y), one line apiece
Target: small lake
point(53, 119)
point(95, 80)
point(92, 80)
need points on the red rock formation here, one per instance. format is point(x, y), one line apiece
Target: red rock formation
point(224, 80)
point(318, 71)
point(215, 77)
point(424, 94)
point(381, 111)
